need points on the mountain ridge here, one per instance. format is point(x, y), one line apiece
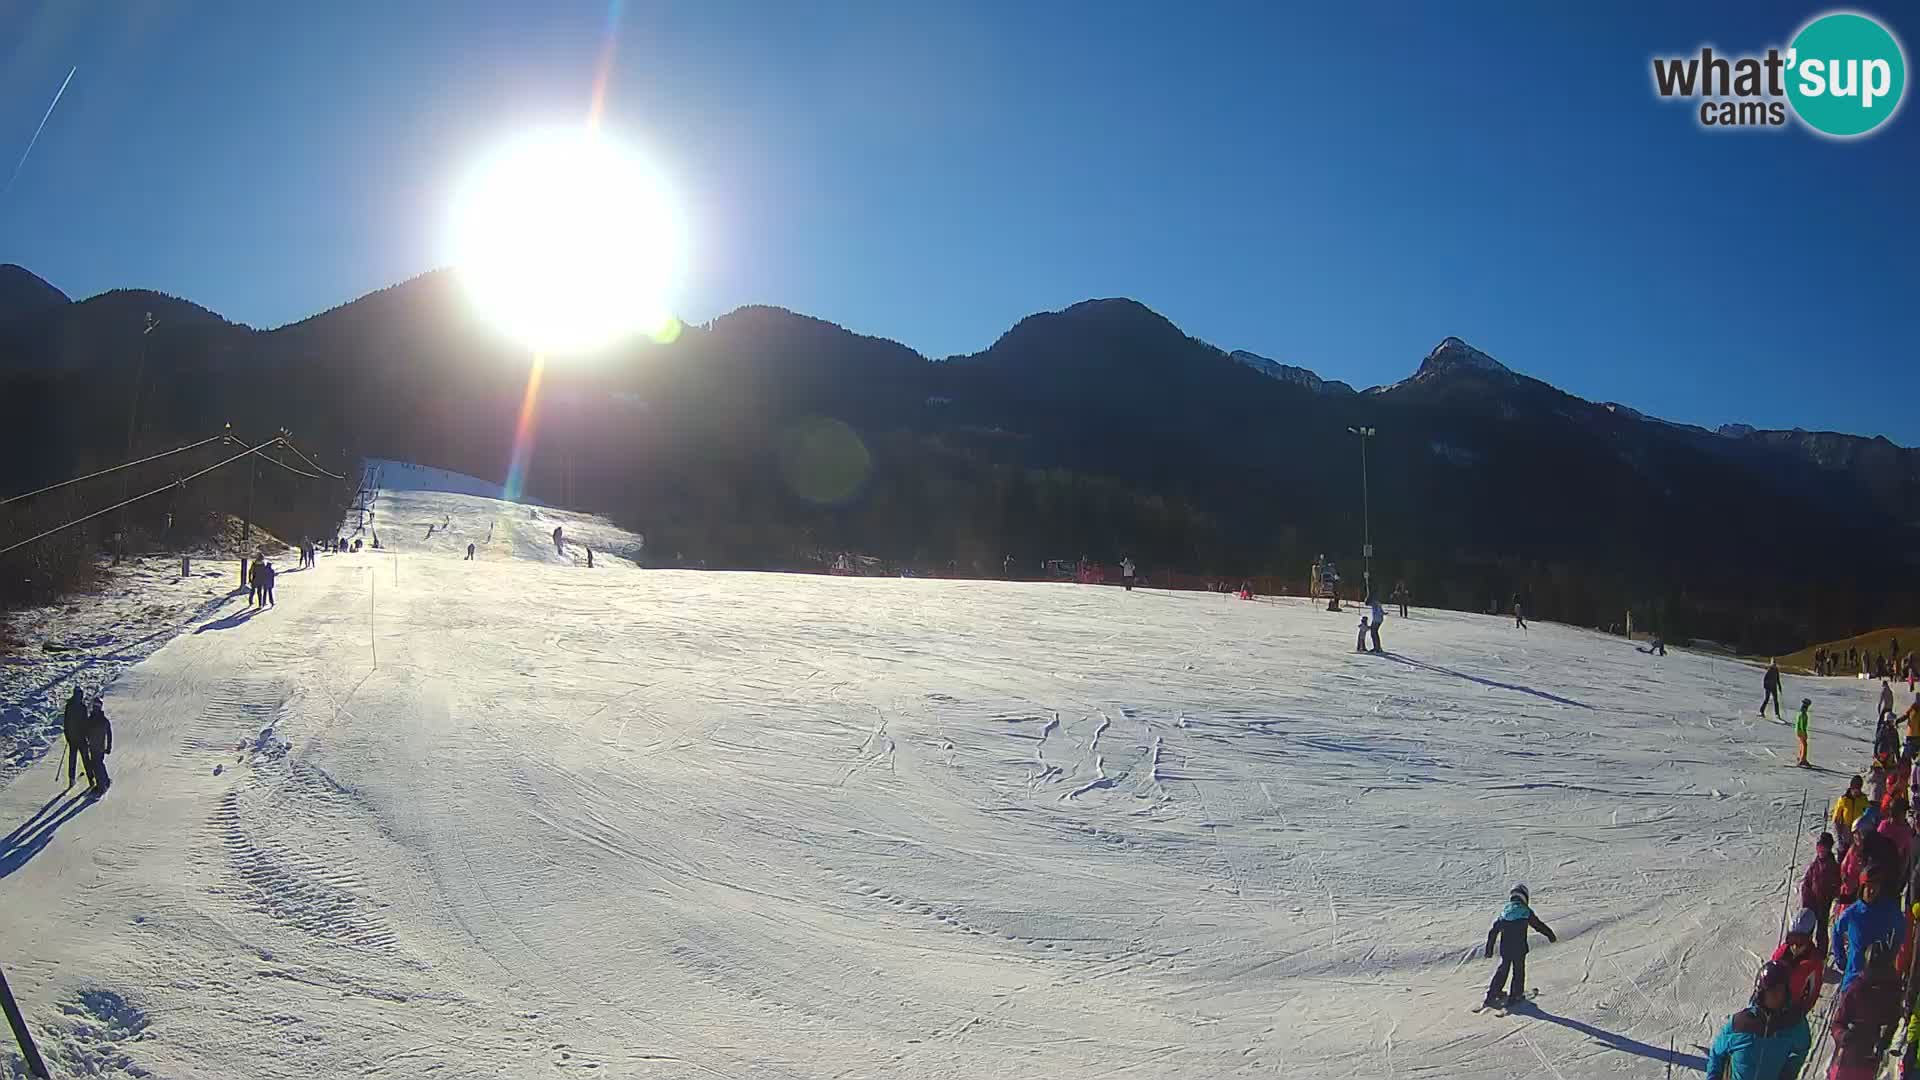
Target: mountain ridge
point(1451, 356)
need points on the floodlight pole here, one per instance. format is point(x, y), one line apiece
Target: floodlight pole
point(1366, 511)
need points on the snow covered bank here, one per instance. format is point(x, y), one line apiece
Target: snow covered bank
point(517, 818)
point(92, 637)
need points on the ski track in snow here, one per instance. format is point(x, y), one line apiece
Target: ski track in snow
point(669, 824)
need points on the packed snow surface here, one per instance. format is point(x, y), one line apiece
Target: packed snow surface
point(514, 817)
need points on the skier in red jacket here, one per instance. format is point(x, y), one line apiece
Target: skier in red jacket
point(1820, 887)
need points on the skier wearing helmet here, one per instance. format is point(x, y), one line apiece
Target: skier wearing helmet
point(1510, 930)
point(1768, 1039)
point(1864, 1018)
point(1806, 961)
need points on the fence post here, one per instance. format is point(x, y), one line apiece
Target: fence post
point(21, 1035)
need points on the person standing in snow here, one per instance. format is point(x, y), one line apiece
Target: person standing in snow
point(1360, 640)
point(1126, 572)
point(1510, 931)
point(1885, 707)
point(1400, 596)
point(1519, 614)
point(469, 552)
point(99, 742)
point(1864, 1017)
point(1819, 888)
point(1378, 617)
point(74, 728)
point(1806, 961)
point(559, 544)
point(266, 584)
point(1770, 682)
point(1873, 920)
point(1767, 1040)
point(1845, 809)
point(253, 580)
point(1800, 726)
point(1893, 825)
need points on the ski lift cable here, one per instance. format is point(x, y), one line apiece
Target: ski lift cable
point(116, 468)
point(289, 468)
point(168, 487)
point(316, 465)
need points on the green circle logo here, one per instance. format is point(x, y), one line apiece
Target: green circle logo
point(1846, 74)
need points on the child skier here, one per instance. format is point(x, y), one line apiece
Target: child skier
point(1820, 887)
point(1806, 963)
point(1510, 930)
point(1360, 643)
point(1800, 731)
point(1846, 808)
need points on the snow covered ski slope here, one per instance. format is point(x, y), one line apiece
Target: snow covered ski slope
point(431, 817)
point(421, 510)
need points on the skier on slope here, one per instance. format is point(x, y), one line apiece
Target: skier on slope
point(1379, 616)
point(1126, 572)
point(1819, 888)
point(1770, 682)
point(1899, 779)
point(74, 728)
point(1864, 1017)
point(469, 552)
point(1767, 1040)
point(1806, 961)
point(1870, 851)
point(1845, 809)
point(559, 544)
point(1893, 825)
point(1519, 614)
point(267, 575)
point(1874, 919)
point(1800, 726)
point(1360, 640)
point(1885, 707)
point(1510, 930)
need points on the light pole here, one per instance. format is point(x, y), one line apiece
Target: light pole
point(133, 412)
point(1366, 511)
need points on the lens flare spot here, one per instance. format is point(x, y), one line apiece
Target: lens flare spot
point(823, 461)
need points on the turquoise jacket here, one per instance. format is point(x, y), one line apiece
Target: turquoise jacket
point(1746, 1050)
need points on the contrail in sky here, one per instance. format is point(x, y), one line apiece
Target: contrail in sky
point(22, 163)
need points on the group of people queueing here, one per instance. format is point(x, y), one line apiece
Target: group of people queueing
point(1859, 903)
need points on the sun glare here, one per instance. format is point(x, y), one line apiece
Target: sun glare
point(568, 242)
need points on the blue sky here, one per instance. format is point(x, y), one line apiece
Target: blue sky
point(1338, 187)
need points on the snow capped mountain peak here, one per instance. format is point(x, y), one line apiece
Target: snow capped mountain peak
point(1453, 354)
point(1287, 373)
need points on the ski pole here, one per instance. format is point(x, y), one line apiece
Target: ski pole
point(1799, 823)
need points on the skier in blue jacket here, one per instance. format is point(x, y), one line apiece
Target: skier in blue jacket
point(1767, 1040)
point(1874, 919)
point(1510, 930)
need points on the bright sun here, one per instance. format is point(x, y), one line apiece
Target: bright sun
point(568, 242)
